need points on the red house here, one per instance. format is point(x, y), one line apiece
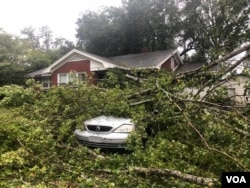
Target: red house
point(77, 64)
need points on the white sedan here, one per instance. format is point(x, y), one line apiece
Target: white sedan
point(105, 132)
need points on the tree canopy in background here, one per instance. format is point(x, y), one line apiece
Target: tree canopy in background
point(208, 28)
point(138, 25)
point(214, 27)
point(33, 51)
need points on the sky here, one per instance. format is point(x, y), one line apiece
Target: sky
point(59, 15)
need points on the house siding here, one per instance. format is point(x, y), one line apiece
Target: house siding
point(239, 87)
point(236, 90)
point(77, 66)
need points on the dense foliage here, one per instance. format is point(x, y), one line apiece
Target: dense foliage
point(38, 147)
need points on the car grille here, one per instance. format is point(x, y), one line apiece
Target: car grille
point(99, 128)
point(102, 145)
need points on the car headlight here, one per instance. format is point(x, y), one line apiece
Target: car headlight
point(124, 129)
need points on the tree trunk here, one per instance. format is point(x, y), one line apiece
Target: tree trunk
point(209, 65)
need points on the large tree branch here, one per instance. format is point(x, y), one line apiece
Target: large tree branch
point(188, 48)
point(231, 68)
point(199, 133)
point(210, 182)
point(210, 90)
point(239, 131)
point(219, 75)
point(134, 78)
point(212, 64)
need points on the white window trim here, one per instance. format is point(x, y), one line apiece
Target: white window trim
point(172, 63)
point(84, 73)
point(67, 77)
point(247, 95)
point(46, 81)
point(58, 78)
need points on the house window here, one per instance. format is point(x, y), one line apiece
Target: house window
point(69, 78)
point(62, 79)
point(247, 92)
point(46, 83)
point(247, 95)
point(231, 95)
point(72, 76)
point(81, 76)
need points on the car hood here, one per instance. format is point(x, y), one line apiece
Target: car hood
point(108, 121)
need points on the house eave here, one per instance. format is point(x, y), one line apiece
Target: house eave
point(106, 64)
point(46, 75)
point(174, 53)
point(141, 68)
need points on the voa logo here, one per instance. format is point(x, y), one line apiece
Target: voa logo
point(236, 179)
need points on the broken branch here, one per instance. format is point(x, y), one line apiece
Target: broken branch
point(177, 174)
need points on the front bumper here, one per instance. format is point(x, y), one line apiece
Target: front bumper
point(102, 140)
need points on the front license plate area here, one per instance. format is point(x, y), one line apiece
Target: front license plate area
point(95, 139)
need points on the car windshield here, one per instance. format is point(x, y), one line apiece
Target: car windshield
point(99, 128)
